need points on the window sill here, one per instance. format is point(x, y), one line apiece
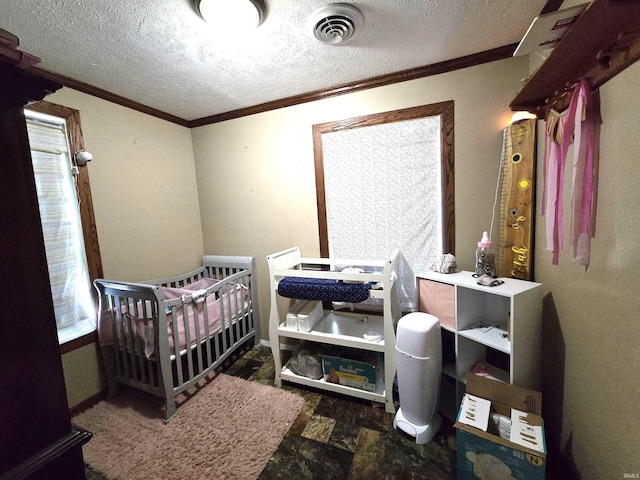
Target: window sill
point(79, 342)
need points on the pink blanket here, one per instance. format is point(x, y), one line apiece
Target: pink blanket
point(196, 299)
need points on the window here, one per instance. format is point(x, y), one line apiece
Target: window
point(386, 181)
point(62, 189)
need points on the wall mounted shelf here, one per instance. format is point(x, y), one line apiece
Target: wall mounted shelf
point(603, 42)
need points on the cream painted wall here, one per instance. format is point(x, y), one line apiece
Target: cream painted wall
point(256, 174)
point(143, 187)
point(83, 374)
point(591, 381)
point(146, 207)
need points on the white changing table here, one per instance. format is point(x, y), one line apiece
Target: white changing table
point(339, 328)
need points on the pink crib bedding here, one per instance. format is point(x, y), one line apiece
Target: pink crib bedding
point(194, 298)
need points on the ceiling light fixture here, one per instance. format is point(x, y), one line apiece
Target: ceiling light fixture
point(232, 14)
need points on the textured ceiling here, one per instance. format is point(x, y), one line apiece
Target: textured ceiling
point(161, 54)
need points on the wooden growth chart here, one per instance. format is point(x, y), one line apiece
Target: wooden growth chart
point(517, 200)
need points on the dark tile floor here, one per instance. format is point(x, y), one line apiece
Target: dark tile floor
point(341, 438)
point(338, 437)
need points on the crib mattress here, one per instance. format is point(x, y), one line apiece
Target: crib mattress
point(323, 289)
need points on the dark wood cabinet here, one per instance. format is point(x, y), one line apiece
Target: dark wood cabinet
point(37, 440)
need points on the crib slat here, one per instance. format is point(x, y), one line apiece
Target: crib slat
point(150, 365)
point(198, 339)
point(130, 341)
point(176, 345)
point(116, 328)
point(246, 317)
point(188, 340)
point(138, 351)
point(216, 338)
point(229, 319)
point(123, 337)
point(237, 300)
point(224, 327)
point(207, 330)
point(246, 310)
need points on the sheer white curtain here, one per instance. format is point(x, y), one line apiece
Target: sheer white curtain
point(383, 191)
point(61, 226)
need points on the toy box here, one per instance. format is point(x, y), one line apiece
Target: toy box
point(514, 452)
point(353, 370)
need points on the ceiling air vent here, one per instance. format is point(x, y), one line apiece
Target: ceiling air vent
point(336, 23)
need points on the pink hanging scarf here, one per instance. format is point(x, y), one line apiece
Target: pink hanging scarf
point(580, 126)
point(585, 160)
point(553, 180)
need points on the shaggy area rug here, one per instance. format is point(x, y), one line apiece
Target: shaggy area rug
point(228, 429)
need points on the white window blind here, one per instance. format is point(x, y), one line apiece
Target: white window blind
point(61, 226)
point(382, 188)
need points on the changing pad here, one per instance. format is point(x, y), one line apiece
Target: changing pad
point(323, 289)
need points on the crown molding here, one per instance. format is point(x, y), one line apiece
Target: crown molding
point(499, 53)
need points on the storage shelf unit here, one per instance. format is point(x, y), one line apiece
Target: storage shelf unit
point(498, 326)
point(337, 328)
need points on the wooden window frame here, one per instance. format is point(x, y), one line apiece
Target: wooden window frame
point(87, 217)
point(445, 111)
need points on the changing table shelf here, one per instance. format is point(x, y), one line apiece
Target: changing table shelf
point(377, 396)
point(342, 329)
point(337, 327)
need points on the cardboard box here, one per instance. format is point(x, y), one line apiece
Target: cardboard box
point(364, 373)
point(486, 456)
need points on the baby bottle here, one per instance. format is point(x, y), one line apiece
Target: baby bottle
point(485, 257)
